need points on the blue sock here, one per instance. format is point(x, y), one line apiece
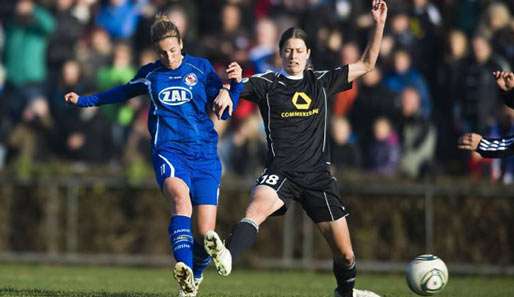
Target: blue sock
point(181, 239)
point(201, 259)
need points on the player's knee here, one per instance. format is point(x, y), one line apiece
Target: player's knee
point(346, 257)
point(181, 206)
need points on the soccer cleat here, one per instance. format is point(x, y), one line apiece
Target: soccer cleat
point(358, 293)
point(220, 254)
point(198, 281)
point(183, 294)
point(185, 279)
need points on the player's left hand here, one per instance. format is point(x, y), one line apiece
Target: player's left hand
point(222, 102)
point(234, 71)
point(379, 11)
point(469, 141)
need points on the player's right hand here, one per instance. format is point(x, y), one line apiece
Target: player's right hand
point(504, 80)
point(469, 141)
point(71, 98)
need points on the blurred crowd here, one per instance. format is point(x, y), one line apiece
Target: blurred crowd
point(433, 81)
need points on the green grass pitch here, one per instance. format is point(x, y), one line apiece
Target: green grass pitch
point(88, 281)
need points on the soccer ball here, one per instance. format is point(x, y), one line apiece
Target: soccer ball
point(427, 275)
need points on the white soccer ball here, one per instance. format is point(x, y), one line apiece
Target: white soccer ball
point(427, 275)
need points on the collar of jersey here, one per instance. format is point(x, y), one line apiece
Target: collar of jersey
point(289, 76)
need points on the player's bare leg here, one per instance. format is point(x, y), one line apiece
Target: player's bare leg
point(180, 233)
point(264, 202)
point(338, 238)
point(205, 221)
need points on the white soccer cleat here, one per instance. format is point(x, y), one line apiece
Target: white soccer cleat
point(358, 293)
point(364, 293)
point(185, 279)
point(184, 294)
point(220, 254)
point(198, 281)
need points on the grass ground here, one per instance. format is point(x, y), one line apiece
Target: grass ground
point(89, 281)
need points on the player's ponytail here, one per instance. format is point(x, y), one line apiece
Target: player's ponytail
point(163, 28)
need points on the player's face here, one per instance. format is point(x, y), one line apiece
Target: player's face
point(295, 55)
point(170, 52)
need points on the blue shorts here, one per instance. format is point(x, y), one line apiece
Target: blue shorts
point(200, 173)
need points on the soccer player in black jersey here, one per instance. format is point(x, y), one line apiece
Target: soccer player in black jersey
point(294, 105)
point(493, 147)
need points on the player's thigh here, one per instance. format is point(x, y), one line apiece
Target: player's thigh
point(205, 218)
point(173, 177)
point(264, 201)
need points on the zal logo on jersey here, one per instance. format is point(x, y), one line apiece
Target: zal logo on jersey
point(175, 96)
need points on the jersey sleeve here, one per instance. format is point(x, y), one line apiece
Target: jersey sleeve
point(254, 88)
point(496, 148)
point(335, 80)
point(213, 82)
point(135, 87)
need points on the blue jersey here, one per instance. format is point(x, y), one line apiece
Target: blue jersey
point(181, 100)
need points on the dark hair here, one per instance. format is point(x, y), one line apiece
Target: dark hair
point(163, 28)
point(293, 32)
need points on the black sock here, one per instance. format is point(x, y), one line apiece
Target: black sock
point(243, 237)
point(345, 277)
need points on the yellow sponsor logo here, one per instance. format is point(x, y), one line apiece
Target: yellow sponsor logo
point(292, 114)
point(301, 101)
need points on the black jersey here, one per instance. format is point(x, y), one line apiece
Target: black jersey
point(296, 116)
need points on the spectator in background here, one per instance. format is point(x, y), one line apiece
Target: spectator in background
point(498, 25)
point(24, 116)
point(119, 17)
point(232, 41)
point(119, 72)
point(96, 54)
point(329, 44)
point(262, 53)
point(404, 75)
point(70, 78)
point(401, 33)
point(345, 152)
point(478, 109)
point(83, 134)
point(449, 89)
point(27, 34)
point(374, 100)
point(417, 136)
point(62, 44)
point(384, 152)
point(426, 22)
point(344, 101)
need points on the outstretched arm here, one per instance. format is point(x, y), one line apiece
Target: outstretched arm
point(369, 58)
point(487, 147)
point(117, 94)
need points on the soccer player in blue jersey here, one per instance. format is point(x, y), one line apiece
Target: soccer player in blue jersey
point(493, 147)
point(182, 89)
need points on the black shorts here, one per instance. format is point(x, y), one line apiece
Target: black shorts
point(322, 204)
